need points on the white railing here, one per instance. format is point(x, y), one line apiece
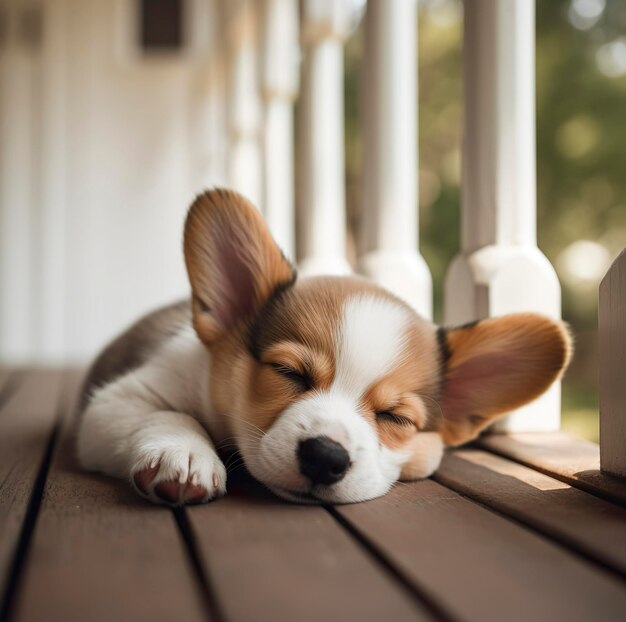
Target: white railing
point(499, 269)
point(390, 173)
point(72, 184)
point(321, 134)
point(244, 109)
point(279, 87)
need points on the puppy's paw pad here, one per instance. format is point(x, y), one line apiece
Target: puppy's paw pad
point(196, 479)
point(143, 478)
point(195, 494)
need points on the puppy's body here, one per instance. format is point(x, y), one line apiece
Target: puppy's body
point(147, 398)
point(330, 388)
point(156, 381)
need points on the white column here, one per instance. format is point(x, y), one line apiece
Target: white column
point(209, 136)
point(210, 131)
point(500, 269)
point(279, 85)
point(52, 199)
point(322, 243)
point(390, 195)
point(612, 325)
point(243, 103)
point(19, 185)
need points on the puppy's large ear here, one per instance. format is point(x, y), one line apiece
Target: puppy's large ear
point(495, 366)
point(233, 263)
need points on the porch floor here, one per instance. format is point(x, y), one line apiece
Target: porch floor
point(513, 528)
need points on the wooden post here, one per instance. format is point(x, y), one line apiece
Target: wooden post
point(322, 183)
point(244, 104)
point(500, 269)
point(390, 196)
point(612, 327)
point(279, 85)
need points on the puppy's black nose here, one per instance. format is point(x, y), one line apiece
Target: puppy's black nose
point(323, 460)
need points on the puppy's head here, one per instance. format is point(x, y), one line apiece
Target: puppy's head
point(333, 388)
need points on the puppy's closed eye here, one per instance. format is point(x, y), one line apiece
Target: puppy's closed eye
point(391, 417)
point(301, 380)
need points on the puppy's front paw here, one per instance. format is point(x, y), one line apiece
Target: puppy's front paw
point(177, 476)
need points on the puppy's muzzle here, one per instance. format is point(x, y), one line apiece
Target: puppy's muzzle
point(323, 460)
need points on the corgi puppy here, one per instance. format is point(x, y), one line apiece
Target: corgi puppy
point(330, 388)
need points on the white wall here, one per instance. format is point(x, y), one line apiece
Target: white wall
point(98, 164)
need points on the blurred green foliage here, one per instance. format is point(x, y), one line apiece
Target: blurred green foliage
point(581, 156)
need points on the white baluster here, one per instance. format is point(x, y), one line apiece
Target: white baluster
point(322, 244)
point(212, 136)
point(390, 197)
point(209, 97)
point(19, 187)
point(279, 85)
point(612, 325)
point(500, 269)
point(53, 226)
point(244, 104)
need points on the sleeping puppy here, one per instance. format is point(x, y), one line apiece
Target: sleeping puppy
point(330, 388)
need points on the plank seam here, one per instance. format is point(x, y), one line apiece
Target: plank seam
point(564, 542)
point(28, 527)
point(566, 479)
point(434, 607)
point(207, 593)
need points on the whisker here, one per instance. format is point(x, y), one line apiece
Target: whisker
point(239, 419)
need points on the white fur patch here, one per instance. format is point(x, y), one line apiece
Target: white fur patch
point(370, 341)
point(374, 467)
point(145, 418)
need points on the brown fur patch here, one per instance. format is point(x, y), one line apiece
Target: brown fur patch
point(301, 324)
point(299, 328)
point(410, 390)
point(314, 365)
point(496, 366)
point(233, 263)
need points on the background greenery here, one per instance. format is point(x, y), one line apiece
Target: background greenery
point(581, 158)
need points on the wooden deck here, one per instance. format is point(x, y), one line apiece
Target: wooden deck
point(519, 528)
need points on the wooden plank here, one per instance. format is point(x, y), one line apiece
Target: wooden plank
point(101, 553)
point(27, 419)
point(10, 379)
point(612, 355)
point(479, 566)
point(561, 456)
point(592, 526)
point(269, 560)
point(6, 374)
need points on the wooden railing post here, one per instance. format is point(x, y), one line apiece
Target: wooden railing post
point(322, 178)
point(500, 269)
point(612, 328)
point(279, 85)
point(390, 196)
point(244, 104)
